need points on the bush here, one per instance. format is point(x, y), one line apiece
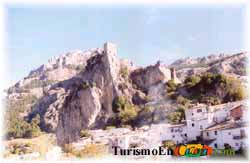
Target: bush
point(177, 116)
point(192, 81)
point(84, 133)
point(19, 128)
point(125, 112)
point(124, 72)
point(109, 127)
point(182, 100)
point(127, 116)
point(20, 148)
point(34, 129)
point(119, 104)
point(214, 88)
point(168, 144)
point(171, 86)
point(68, 148)
point(91, 150)
point(87, 84)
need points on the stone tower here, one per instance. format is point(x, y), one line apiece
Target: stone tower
point(110, 48)
point(173, 74)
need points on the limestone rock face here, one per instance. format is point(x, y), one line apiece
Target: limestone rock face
point(144, 78)
point(91, 106)
point(79, 113)
point(75, 91)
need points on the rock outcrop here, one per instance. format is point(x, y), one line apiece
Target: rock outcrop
point(91, 105)
point(144, 78)
point(75, 91)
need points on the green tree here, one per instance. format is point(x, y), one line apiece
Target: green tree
point(192, 81)
point(34, 129)
point(124, 110)
point(171, 86)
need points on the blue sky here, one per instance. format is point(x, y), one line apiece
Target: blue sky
point(143, 34)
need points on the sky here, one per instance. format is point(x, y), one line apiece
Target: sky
point(143, 34)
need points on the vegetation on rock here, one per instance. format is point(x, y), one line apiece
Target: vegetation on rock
point(125, 111)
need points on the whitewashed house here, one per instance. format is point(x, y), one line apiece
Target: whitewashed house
point(226, 133)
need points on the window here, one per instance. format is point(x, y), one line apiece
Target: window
point(236, 144)
point(192, 113)
point(185, 134)
point(229, 133)
point(215, 132)
point(207, 133)
point(215, 145)
point(173, 136)
point(192, 124)
point(172, 130)
point(199, 110)
point(201, 127)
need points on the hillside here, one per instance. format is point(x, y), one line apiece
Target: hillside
point(95, 89)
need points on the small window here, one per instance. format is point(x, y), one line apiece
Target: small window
point(172, 130)
point(201, 127)
point(185, 134)
point(236, 144)
point(199, 110)
point(215, 132)
point(192, 113)
point(192, 124)
point(207, 133)
point(173, 136)
point(229, 133)
point(215, 145)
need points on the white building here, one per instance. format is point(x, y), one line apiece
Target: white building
point(201, 117)
point(226, 133)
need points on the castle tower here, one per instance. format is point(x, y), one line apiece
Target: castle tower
point(110, 48)
point(173, 74)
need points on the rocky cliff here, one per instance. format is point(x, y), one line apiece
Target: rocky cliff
point(75, 91)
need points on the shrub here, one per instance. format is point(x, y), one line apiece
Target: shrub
point(192, 81)
point(177, 116)
point(20, 148)
point(182, 100)
point(91, 150)
point(171, 86)
point(19, 128)
point(125, 111)
point(124, 72)
point(168, 144)
point(109, 127)
point(68, 148)
point(217, 85)
point(84, 133)
point(85, 85)
point(34, 129)
point(127, 115)
point(119, 103)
